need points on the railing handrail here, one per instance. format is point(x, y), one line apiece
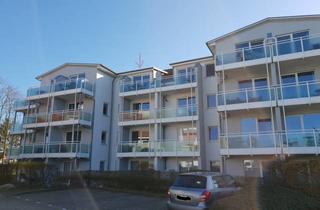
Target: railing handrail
point(312, 36)
point(311, 82)
point(308, 131)
point(161, 108)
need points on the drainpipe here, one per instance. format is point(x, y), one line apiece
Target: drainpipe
point(111, 123)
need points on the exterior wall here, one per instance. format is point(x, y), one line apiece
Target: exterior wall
point(276, 27)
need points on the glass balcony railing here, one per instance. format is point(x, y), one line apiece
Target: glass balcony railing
point(61, 86)
point(302, 44)
point(158, 114)
point(246, 96)
point(302, 90)
point(158, 146)
point(17, 128)
point(177, 112)
point(20, 104)
point(54, 147)
point(270, 140)
point(160, 82)
point(135, 115)
point(57, 116)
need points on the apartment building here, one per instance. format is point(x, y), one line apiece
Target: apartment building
point(66, 121)
point(255, 100)
point(269, 92)
point(162, 117)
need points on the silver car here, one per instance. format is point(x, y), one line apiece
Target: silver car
point(198, 190)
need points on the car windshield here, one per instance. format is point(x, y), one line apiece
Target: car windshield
point(191, 181)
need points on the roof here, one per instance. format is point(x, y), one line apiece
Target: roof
point(191, 60)
point(144, 69)
point(261, 22)
point(98, 66)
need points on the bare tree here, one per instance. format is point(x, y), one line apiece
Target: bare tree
point(8, 94)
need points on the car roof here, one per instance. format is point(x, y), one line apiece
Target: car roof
point(203, 173)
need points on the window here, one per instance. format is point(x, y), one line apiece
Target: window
point(141, 135)
point(305, 76)
point(191, 181)
point(79, 106)
point(145, 106)
point(260, 83)
point(264, 125)
point(77, 76)
point(249, 44)
point(105, 109)
point(101, 166)
point(210, 70)
point(288, 79)
point(213, 133)
point(76, 136)
point(215, 166)
point(103, 137)
point(311, 121)
point(248, 125)
point(245, 84)
point(187, 134)
point(211, 101)
point(293, 122)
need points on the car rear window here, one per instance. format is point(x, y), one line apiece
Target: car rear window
point(191, 181)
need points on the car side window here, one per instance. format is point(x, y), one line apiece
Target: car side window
point(229, 180)
point(220, 181)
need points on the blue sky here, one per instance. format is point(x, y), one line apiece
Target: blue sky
point(38, 35)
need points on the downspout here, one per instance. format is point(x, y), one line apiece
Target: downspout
point(111, 123)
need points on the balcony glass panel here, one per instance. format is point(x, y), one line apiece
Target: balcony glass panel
point(20, 103)
point(140, 146)
point(134, 115)
point(262, 140)
point(38, 91)
point(305, 139)
point(254, 53)
point(312, 43)
point(288, 47)
point(241, 141)
point(260, 95)
point(177, 112)
point(293, 91)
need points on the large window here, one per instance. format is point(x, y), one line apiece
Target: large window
point(211, 101)
point(187, 134)
point(145, 106)
point(183, 102)
point(293, 122)
point(264, 125)
point(213, 133)
point(303, 122)
point(311, 121)
point(140, 135)
point(76, 136)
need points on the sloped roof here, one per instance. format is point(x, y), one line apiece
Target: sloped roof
point(261, 22)
point(102, 68)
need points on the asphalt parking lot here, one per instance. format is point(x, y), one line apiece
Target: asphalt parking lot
point(81, 199)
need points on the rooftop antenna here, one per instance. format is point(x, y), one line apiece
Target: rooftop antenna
point(139, 63)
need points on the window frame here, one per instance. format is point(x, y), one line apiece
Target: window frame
point(105, 109)
point(215, 101)
point(103, 134)
point(214, 70)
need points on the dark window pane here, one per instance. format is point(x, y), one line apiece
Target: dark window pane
point(245, 84)
point(288, 79)
point(242, 45)
point(248, 125)
point(300, 34)
point(264, 125)
point(210, 70)
point(145, 106)
point(260, 83)
point(306, 76)
point(182, 102)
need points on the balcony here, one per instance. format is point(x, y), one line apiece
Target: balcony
point(52, 150)
point(280, 51)
point(167, 148)
point(21, 105)
point(297, 142)
point(246, 99)
point(58, 118)
point(303, 93)
point(160, 115)
point(166, 83)
point(63, 88)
